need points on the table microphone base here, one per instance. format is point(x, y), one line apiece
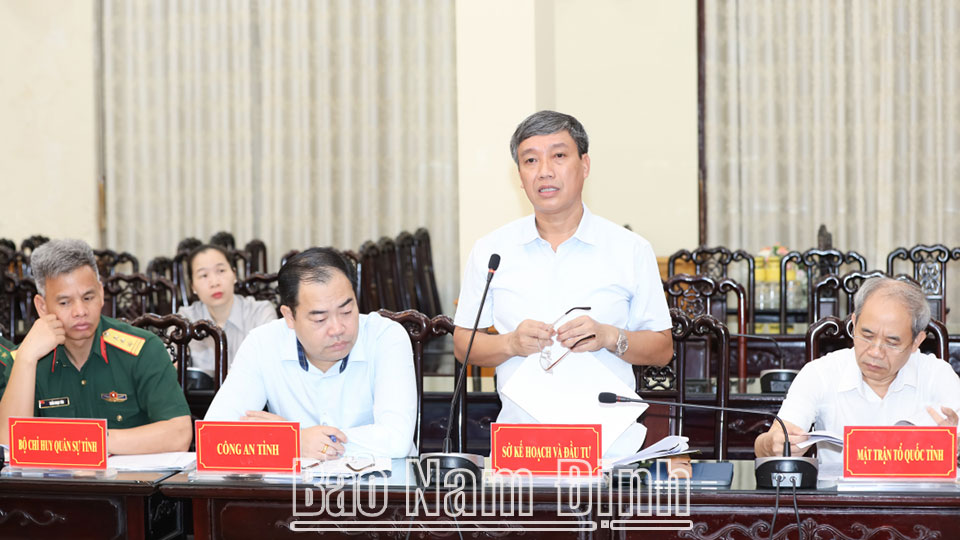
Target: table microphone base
point(436, 467)
point(786, 471)
point(777, 381)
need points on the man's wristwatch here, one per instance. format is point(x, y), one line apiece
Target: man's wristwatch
point(622, 343)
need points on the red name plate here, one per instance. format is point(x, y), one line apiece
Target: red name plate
point(58, 443)
point(248, 446)
point(547, 449)
point(899, 452)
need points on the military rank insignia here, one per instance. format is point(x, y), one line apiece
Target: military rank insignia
point(125, 342)
point(113, 397)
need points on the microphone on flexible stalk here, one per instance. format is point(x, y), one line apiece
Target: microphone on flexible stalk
point(438, 464)
point(770, 471)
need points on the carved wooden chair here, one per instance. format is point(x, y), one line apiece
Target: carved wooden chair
point(20, 311)
point(816, 263)
point(262, 287)
point(128, 296)
point(181, 275)
point(930, 269)
point(429, 296)
point(6, 257)
point(177, 333)
point(258, 255)
point(188, 244)
point(372, 297)
point(407, 266)
point(715, 262)
point(388, 277)
point(421, 331)
point(224, 239)
point(32, 243)
point(831, 333)
point(695, 296)
point(354, 259)
point(160, 267)
point(241, 261)
point(825, 293)
point(108, 261)
point(6, 266)
point(668, 383)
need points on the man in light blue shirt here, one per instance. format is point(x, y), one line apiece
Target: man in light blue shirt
point(347, 378)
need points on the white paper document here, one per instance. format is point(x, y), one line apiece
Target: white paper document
point(815, 437)
point(568, 395)
point(167, 461)
point(672, 445)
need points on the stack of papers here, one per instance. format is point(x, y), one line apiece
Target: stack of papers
point(815, 437)
point(167, 461)
point(672, 445)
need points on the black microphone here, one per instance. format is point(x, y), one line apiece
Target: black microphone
point(770, 471)
point(447, 460)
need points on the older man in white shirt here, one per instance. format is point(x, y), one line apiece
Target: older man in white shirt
point(347, 378)
point(884, 379)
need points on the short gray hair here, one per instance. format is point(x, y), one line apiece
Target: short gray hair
point(909, 294)
point(548, 123)
point(58, 257)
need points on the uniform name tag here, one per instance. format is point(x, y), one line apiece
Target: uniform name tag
point(53, 403)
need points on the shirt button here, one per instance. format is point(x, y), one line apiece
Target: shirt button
point(83, 382)
point(119, 418)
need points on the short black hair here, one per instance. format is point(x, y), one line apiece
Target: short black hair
point(206, 247)
point(314, 265)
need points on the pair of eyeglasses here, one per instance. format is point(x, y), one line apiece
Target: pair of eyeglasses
point(546, 360)
point(358, 463)
point(884, 347)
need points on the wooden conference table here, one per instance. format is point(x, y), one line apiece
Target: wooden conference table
point(128, 505)
point(243, 509)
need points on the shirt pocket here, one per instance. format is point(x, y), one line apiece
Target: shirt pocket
point(122, 415)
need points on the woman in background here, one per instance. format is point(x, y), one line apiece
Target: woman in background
point(213, 279)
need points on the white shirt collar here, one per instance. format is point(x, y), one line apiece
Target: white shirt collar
point(586, 231)
point(851, 378)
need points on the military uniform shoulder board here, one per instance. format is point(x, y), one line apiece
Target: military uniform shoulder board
point(127, 343)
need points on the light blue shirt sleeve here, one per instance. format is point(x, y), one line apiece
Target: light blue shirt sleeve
point(394, 397)
point(471, 290)
point(648, 307)
point(243, 390)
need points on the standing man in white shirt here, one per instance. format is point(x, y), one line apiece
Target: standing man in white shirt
point(562, 257)
point(347, 378)
point(882, 380)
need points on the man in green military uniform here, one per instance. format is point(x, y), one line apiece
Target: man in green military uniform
point(77, 363)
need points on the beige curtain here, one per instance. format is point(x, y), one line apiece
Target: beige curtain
point(839, 112)
point(301, 123)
